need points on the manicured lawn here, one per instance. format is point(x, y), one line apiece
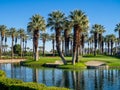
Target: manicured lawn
point(110, 60)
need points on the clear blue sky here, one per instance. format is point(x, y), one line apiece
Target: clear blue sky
point(16, 13)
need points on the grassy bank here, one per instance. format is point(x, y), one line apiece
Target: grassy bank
point(110, 61)
point(15, 84)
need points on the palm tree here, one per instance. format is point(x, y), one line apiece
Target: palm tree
point(67, 29)
point(107, 43)
point(100, 37)
point(71, 43)
point(12, 34)
point(95, 31)
point(84, 38)
point(21, 34)
point(117, 29)
point(112, 39)
point(55, 21)
point(80, 22)
point(6, 36)
point(52, 37)
point(25, 41)
point(3, 29)
point(44, 37)
point(36, 24)
point(63, 43)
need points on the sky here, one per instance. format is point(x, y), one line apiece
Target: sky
point(16, 13)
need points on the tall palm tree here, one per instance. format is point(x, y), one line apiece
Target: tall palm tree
point(67, 29)
point(25, 41)
point(21, 34)
point(6, 36)
point(84, 38)
point(100, 39)
point(63, 43)
point(112, 39)
point(44, 37)
point(36, 24)
point(80, 22)
point(117, 29)
point(52, 37)
point(71, 43)
point(95, 30)
point(12, 33)
point(107, 43)
point(3, 29)
point(55, 21)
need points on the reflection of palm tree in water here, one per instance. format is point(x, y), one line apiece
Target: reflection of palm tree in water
point(35, 75)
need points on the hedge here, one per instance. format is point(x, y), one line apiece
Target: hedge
point(15, 84)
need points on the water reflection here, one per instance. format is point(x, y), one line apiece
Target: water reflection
point(90, 79)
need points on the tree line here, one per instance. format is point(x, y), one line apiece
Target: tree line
point(71, 30)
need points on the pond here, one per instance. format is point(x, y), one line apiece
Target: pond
point(88, 79)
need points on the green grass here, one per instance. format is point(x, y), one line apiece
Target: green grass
point(110, 60)
point(41, 61)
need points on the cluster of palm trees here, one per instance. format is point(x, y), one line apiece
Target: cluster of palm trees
point(14, 34)
point(72, 31)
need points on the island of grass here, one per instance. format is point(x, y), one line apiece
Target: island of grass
point(111, 61)
point(15, 84)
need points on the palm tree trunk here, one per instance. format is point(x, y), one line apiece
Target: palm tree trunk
point(102, 46)
point(95, 43)
point(63, 46)
point(53, 43)
point(111, 47)
point(119, 34)
point(108, 47)
point(75, 44)
point(36, 36)
point(21, 45)
point(23, 48)
point(43, 48)
point(66, 42)
point(1, 48)
point(82, 43)
point(58, 40)
point(12, 55)
point(88, 47)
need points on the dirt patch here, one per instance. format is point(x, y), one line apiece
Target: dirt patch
point(11, 60)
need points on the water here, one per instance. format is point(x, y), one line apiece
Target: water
point(89, 79)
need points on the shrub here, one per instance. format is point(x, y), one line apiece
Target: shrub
point(2, 74)
point(15, 84)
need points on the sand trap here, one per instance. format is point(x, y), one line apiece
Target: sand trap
point(95, 63)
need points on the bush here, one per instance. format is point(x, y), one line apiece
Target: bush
point(15, 84)
point(2, 74)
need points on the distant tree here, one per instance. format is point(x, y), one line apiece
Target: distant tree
point(17, 49)
point(12, 33)
point(117, 29)
point(44, 37)
point(3, 29)
point(52, 37)
point(67, 30)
